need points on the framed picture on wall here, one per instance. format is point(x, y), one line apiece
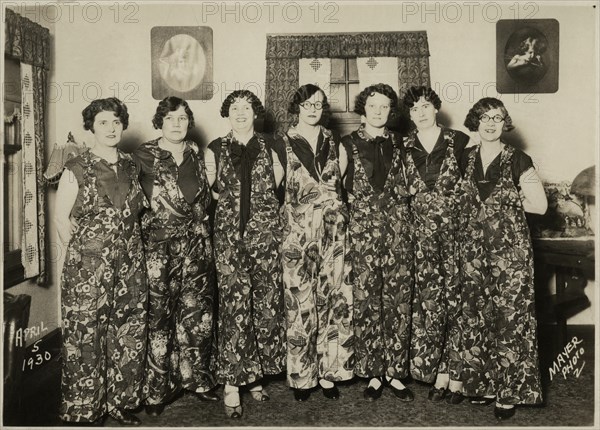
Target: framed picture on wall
point(527, 55)
point(182, 62)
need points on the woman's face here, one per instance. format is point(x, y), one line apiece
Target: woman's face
point(309, 114)
point(175, 125)
point(241, 116)
point(377, 110)
point(423, 114)
point(108, 128)
point(489, 129)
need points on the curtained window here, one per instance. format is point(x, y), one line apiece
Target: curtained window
point(352, 61)
point(26, 54)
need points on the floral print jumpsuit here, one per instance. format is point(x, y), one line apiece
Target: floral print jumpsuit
point(435, 342)
point(382, 267)
point(251, 317)
point(500, 344)
point(179, 260)
point(103, 299)
point(318, 295)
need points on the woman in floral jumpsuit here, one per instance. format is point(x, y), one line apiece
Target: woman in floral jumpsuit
point(179, 261)
point(499, 338)
point(103, 288)
point(318, 296)
point(245, 172)
point(381, 245)
point(434, 177)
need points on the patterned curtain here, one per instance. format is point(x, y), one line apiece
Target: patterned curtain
point(283, 52)
point(29, 43)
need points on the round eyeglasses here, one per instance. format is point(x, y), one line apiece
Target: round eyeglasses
point(486, 118)
point(307, 105)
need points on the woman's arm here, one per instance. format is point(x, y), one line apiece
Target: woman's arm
point(343, 159)
point(65, 198)
point(532, 192)
point(211, 170)
point(278, 169)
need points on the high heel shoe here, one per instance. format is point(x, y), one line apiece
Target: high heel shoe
point(301, 395)
point(260, 395)
point(331, 393)
point(233, 407)
point(154, 410)
point(124, 417)
point(437, 394)
point(504, 413)
point(454, 398)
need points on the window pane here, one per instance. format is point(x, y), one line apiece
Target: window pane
point(337, 98)
point(353, 91)
point(352, 69)
point(338, 70)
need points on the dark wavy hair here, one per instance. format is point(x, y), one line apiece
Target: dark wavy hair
point(257, 105)
point(484, 105)
point(170, 104)
point(304, 93)
point(111, 104)
point(385, 89)
point(414, 94)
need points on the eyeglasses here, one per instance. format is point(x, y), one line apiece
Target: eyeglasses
point(307, 105)
point(486, 118)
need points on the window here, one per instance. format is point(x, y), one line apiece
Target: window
point(13, 176)
point(343, 91)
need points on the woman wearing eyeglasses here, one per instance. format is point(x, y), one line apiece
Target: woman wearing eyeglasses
point(381, 241)
point(432, 169)
point(499, 336)
point(318, 298)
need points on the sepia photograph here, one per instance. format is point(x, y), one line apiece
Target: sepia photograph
point(285, 214)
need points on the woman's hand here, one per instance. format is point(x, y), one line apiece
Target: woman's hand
point(211, 171)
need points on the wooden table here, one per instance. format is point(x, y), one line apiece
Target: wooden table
point(573, 262)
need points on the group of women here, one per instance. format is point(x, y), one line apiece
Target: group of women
point(391, 256)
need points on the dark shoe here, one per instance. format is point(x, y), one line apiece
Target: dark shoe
point(503, 413)
point(331, 393)
point(372, 394)
point(260, 395)
point(454, 398)
point(437, 394)
point(123, 417)
point(405, 394)
point(208, 396)
point(301, 395)
point(482, 401)
point(154, 410)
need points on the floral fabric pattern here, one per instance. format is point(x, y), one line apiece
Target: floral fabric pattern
point(179, 261)
point(435, 342)
point(104, 303)
point(318, 294)
point(382, 270)
point(498, 304)
point(251, 328)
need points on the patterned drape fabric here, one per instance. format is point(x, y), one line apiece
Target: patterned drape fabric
point(30, 44)
point(284, 51)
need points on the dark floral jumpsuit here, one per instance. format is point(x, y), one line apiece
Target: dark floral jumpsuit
point(499, 338)
point(435, 342)
point(179, 260)
point(103, 301)
point(251, 329)
point(382, 266)
point(318, 294)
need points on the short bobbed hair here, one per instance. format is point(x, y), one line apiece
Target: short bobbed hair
point(485, 105)
point(257, 106)
point(111, 104)
point(304, 93)
point(414, 94)
point(385, 89)
point(170, 104)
